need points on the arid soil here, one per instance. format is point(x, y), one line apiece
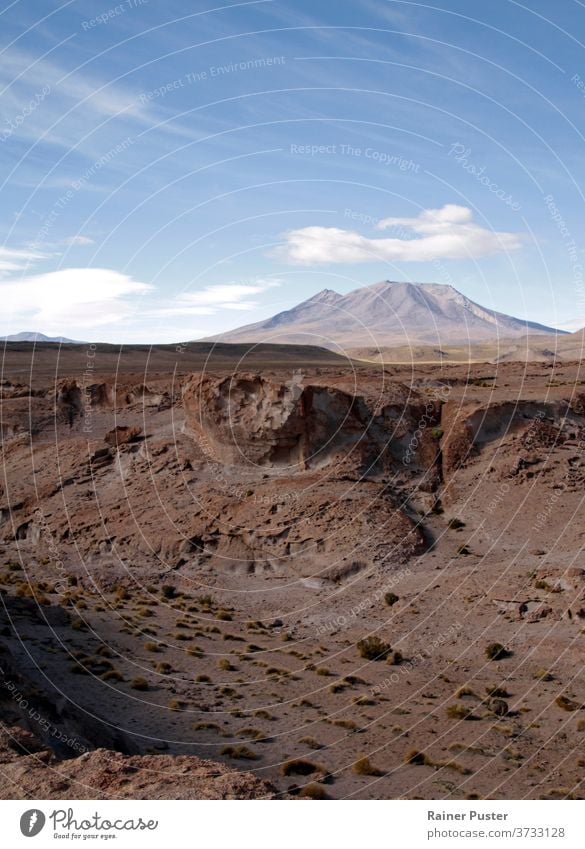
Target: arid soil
point(196, 556)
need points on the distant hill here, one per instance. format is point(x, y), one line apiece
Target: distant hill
point(33, 336)
point(387, 314)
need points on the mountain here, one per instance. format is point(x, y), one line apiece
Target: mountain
point(387, 314)
point(32, 336)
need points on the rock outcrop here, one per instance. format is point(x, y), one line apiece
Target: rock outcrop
point(31, 772)
point(249, 419)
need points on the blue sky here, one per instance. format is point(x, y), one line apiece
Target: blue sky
point(173, 170)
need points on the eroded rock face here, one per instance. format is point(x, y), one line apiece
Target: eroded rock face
point(470, 427)
point(122, 435)
point(249, 419)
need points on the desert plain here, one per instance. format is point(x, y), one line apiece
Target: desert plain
point(234, 571)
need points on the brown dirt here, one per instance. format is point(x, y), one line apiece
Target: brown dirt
point(234, 551)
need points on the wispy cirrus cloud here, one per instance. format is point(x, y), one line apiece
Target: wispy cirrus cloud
point(445, 233)
point(78, 241)
point(212, 299)
point(12, 260)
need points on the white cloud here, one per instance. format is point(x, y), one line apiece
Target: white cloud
point(73, 297)
point(446, 233)
point(17, 260)
point(211, 299)
point(73, 241)
point(22, 72)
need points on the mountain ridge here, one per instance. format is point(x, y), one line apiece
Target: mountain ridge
point(387, 313)
point(35, 336)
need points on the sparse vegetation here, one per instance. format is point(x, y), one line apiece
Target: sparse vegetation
point(139, 683)
point(373, 648)
point(465, 691)
point(543, 675)
point(348, 724)
point(252, 733)
point(496, 651)
point(456, 523)
point(299, 766)
point(311, 743)
point(112, 675)
point(391, 598)
point(363, 766)
point(497, 692)
point(239, 753)
point(313, 791)
point(459, 712)
point(565, 703)
point(264, 714)
point(223, 615)
point(416, 758)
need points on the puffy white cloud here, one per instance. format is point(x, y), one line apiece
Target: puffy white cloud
point(72, 297)
point(445, 233)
